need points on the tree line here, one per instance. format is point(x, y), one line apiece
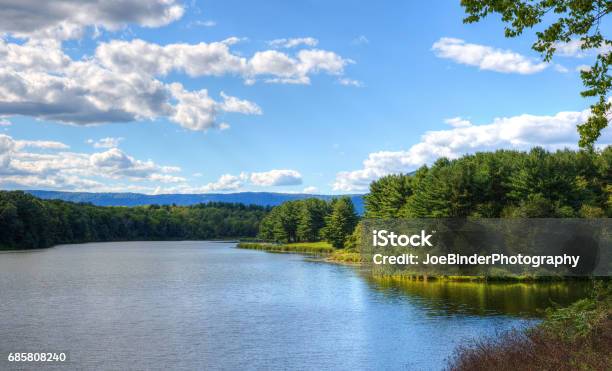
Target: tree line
point(561, 184)
point(503, 183)
point(500, 184)
point(310, 220)
point(27, 222)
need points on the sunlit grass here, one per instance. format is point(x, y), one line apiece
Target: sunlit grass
point(320, 247)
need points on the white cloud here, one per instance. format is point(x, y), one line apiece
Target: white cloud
point(360, 40)
point(350, 82)
point(226, 182)
point(570, 49)
point(200, 23)
point(67, 19)
point(120, 82)
point(292, 43)
point(236, 183)
point(282, 68)
point(520, 132)
point(5, 122)
point(216, 59)
point(22, 165)
point(574, 49)
point(310, 190)
point(88, 91)
point(583, 67)
point(202, 59)
point(276, 178)
point(233, 104)
point(108, 142)
point(114, 163)
point(115, 171)
point(44, 144)
point(458, 122)
point(486, 57)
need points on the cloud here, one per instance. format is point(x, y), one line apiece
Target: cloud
point(233, 183)
point(226, 182)
point(486, 57)
point(583, 67)
point(574, 49)
point(458, 122)
point(44, 144)
point(310, 190)
point(216, 59)
point(520, 132)
point(284, 69)
point(107, 142)
point(67, 19)
point(360, 40)
point(276, 178)
point(5, 122)
point(233, 104)
point(208, 23)
point(121, 82)
point(92, 91)
point(23, 165)
point(292, 43)
point(202, 59)
point(570, 49)
point(114, 163)
point(350, 82)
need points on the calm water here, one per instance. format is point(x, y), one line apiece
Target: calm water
point(204, 305)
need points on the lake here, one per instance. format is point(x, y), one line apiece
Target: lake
point(208, 305)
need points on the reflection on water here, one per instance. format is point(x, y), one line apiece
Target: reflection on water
point(202, 305)
point(517, 299)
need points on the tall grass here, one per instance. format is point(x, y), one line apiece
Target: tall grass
point(578, 337)
point(300, 247)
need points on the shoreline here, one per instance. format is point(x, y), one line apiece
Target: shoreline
point(353, 259)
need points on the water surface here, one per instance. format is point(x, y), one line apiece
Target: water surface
point(207, 305)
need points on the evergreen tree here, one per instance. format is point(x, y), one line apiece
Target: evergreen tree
point(341, 223)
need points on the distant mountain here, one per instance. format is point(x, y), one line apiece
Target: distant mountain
point(137, 199)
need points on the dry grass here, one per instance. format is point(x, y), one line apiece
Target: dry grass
point(575, 338)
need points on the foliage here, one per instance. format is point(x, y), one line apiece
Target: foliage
point(310, 220)
point(578, 337)
point(500, 184)
point(28, 222)
point(339, 225)
point(566, 21)
point(295, 221)
point(320, 247)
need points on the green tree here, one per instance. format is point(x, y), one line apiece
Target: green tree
point(388, 195)
point(28, 222)
point(341, 222)
point(566, 21)
point(502, 183)
point(311, 219)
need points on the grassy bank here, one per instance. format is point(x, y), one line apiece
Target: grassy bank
point(342, 256)
point(353, 257)
point(403, 276)
point(578, 337)
point(318, 248)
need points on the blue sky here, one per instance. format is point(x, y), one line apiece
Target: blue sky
point(380, 87)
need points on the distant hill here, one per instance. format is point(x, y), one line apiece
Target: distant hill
point(136, 199)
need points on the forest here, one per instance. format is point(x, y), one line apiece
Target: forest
point(310, 220)
point(507, 184)
point(27, 222)
point(500, 184)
